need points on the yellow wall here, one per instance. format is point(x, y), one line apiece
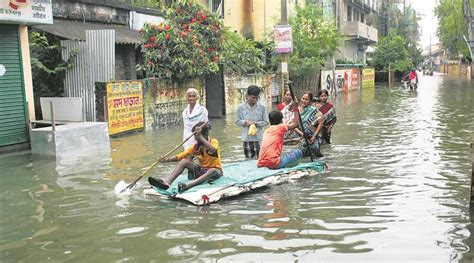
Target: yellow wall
point(254, 17)
point(251, 18)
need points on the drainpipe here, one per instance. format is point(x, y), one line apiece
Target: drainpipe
point(472, 173)
point(336, 17)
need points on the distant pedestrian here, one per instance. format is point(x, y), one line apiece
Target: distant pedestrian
point(252, 117)
point(192, 114)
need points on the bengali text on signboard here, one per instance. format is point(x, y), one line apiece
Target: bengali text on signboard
point(283, 39)
point(26, 11)
point(124, 106)
point(368, 78)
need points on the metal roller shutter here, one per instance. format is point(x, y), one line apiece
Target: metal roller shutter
point(13, 124)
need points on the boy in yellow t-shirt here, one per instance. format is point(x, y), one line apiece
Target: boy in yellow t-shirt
point(206, 151)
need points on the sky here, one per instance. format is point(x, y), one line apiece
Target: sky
point(428, 23)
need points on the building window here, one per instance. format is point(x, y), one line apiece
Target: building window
point(362, 18)
point(356, 15)
point(349, 13)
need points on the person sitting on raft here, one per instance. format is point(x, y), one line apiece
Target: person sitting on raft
point(272, 142)
point(206, 151)
point(312, 126)
point(327, 113)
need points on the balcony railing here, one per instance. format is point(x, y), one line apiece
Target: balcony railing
point(360, 31)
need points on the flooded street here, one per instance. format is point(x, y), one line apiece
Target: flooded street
point(397, 191)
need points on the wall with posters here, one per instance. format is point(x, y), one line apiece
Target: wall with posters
point(164, 101)
point(160, 104)
point(345, 80)
point(124, 106)
point(236, 89)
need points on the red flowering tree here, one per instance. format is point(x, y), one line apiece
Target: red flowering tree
point(186, 45)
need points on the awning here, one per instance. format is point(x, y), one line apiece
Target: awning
point(75, 30)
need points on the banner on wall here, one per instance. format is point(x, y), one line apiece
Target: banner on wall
point(343, 80)
point(124, 106)
point(354, 79)
point(24, 11)
point(368, 78)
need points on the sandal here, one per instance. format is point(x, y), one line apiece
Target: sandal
point(158, 183)
point(182, 187)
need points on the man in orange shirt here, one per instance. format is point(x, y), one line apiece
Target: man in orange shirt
point(206, 151)
point(272, 143)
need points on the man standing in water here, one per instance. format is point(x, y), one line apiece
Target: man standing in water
point(252, 117)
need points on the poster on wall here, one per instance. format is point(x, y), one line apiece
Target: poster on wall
point(283, 39)
point(368, 78)
point(124, 106)
point(342, 80)
point(337, 82)
point(327, 81)
point(26, 11)
point(354, 79)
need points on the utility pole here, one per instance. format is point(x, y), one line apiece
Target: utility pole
point(284, 57)
point(387, 30)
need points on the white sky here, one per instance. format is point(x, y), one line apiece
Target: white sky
point(429, 23)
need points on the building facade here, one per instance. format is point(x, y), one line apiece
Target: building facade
point(16, 86)
point(351, 19)
point(251, 18)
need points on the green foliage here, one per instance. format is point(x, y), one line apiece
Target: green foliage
point(403, 23)
point(47, 66)
point(314, 40)
point(393, 48)
point(186, 45)
point(348, 61)
point(240, 55)
point(451, 27)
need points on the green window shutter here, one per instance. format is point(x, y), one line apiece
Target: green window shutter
point(13, 124)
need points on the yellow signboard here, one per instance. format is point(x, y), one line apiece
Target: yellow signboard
point(368, 78)
point(124, 106)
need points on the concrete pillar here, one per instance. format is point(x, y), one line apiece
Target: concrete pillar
point(27, 76)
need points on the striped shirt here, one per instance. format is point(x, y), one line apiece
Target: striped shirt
point(257, 114)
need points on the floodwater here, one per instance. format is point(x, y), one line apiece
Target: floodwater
point(397, 191)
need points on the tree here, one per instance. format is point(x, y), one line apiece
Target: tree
point(47, 66)
point(452, 27)
point(186, 45)
point(403, 23)
point(395, 49)
point(406, 26)
point(315, 39)
point(240, 55)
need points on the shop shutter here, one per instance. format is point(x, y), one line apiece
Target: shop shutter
point(13, 124)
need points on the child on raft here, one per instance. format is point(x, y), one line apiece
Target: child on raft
point(272, 144)
point(206, 151)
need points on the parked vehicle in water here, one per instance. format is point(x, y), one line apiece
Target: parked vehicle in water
point(428, 71)
point(406, 84)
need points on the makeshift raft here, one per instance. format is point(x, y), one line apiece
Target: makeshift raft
point(238, 178)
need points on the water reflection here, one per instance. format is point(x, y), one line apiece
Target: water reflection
point(397, 190)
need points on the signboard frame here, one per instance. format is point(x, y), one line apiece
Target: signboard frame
point(124, 106)
point(283, 39)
